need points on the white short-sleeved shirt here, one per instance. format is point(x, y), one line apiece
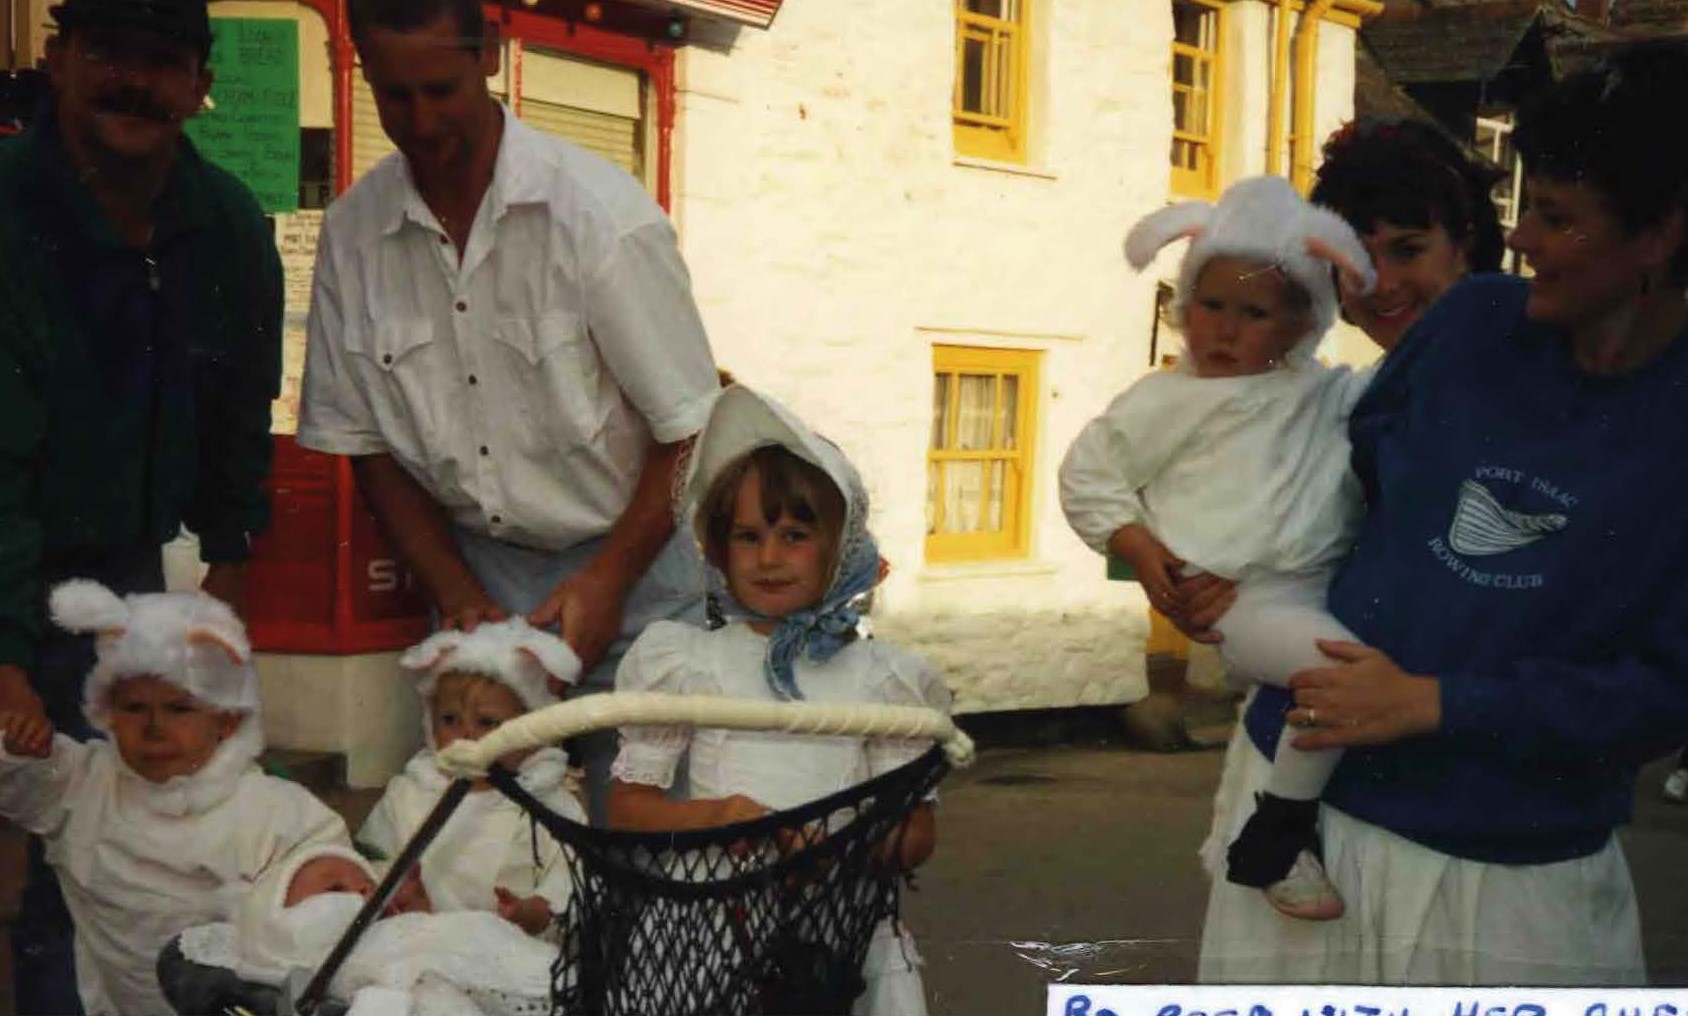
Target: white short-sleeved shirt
point(777, 769)
point(521, 385)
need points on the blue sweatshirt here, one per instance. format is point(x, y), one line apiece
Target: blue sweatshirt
point(1526, 544)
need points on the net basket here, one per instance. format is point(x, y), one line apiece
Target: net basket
point(768, 916)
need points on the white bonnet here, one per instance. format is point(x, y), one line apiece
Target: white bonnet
point(744, 420)
point(1262, 219)
point(191, 640)
point(273, 939)
point(275, 893)
point(514, 653)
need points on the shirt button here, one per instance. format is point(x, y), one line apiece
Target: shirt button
point(445, 241)
point(483, 449)
point(462, 306)
point(474, 380)
point(496, 519)
point(387, 358)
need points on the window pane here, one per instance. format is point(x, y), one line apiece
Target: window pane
point(973, 75)
point(1183, 154)
point(1002, 77)
point(1010, 411)
point(934, 504)
point(1189, 24)
point(940, 410)
point(978, 412)
point(1197, 110)
point(1184, 69)
point(963, 487)
point(990, 8)
point(997, 495)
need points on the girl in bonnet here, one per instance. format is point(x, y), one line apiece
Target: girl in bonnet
point(782, 519)
point(161, 826)
point(489, 856)
point(1236, 464)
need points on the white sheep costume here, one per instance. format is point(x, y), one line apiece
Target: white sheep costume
point(489, 842)
point(140, 861)
point(1244, 477)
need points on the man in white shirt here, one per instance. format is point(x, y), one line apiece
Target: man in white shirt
point(503, 338)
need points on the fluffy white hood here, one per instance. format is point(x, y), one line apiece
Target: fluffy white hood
point(513, 653)
point(1262, 219)
point(191, 640)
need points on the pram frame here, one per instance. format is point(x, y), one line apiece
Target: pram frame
point(471, 760)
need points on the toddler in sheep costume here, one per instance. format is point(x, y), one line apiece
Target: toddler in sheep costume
point(489, 856)
point(164, 824)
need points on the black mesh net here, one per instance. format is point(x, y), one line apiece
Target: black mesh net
point(769, 916)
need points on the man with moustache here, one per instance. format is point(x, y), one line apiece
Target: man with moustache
point(140, 349)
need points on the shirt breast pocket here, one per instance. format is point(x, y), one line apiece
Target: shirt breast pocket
point(393, 359)
point(556, 375)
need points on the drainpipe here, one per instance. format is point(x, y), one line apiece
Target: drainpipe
point(1301, 140)
point(1280, 85)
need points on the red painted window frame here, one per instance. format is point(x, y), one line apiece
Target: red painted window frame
point(632, 52)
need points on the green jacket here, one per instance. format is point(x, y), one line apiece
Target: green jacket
point(135, 387)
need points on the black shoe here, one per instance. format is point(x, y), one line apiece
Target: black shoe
point(1279, 830)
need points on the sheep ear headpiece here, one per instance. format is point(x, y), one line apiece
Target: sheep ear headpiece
point(191, 640)
point(1261, 219)
point(517, 655)
point(1186, 221)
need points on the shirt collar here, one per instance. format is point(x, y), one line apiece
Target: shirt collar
point(516, 180)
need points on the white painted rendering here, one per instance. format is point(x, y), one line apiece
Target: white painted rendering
point(834, 238)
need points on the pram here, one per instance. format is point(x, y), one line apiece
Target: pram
point(769, 916)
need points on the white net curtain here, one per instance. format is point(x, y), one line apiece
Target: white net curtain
point(973, 430)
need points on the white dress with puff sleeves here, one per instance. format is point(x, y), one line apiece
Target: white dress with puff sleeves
point(781, 770)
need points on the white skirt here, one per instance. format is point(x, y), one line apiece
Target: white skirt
point(1416, 916)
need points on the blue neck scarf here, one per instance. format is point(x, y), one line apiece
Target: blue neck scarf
point(822, 630)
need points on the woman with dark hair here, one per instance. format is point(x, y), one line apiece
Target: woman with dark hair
point(1517, 584)
point(1423, 209)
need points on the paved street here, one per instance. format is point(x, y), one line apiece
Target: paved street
point(1079, 863)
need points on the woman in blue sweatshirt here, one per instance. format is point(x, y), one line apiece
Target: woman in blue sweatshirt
point(1520, 586)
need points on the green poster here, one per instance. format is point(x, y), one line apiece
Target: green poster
point(251, 124)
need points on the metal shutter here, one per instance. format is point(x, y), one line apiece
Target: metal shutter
point(616, 138)
point(597, 106)
point(369, 142)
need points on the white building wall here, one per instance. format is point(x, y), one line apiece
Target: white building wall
point(1333, 107)
point(834, 238)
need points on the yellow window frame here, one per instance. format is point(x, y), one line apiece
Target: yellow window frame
point(949, 364)
point(998, 131)
point(1196, 175)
